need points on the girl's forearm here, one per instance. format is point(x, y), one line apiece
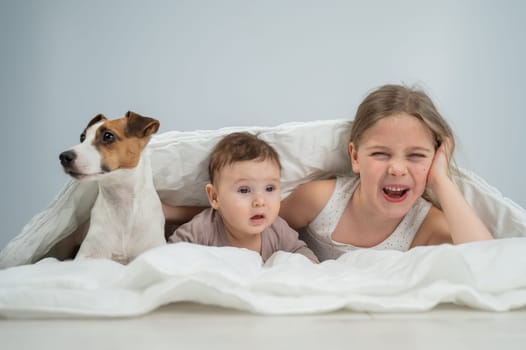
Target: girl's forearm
point(464, 223)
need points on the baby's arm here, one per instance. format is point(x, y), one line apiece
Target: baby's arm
point(299, 247)
point(196, 231)
point(463, 223)
point(289, 241)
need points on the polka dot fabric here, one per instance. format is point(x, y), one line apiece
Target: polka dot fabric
point(318, 233)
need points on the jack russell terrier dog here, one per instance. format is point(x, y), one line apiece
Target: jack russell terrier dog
point(127, 216)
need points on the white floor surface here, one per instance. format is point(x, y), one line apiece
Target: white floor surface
point(192, 326)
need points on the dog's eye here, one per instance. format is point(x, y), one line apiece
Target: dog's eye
point(108, 137)
point(82, 137)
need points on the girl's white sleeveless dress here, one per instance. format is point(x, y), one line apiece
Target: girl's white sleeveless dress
point(317, 234)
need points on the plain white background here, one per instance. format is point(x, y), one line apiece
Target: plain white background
point(206, 64)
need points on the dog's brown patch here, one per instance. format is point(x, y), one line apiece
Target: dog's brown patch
point(131, 135)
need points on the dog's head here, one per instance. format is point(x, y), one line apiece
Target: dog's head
point(108, 145)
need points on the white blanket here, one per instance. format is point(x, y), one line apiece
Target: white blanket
point(482, 275)
point(486, 275)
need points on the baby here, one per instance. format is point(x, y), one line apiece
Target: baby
point(244, 194)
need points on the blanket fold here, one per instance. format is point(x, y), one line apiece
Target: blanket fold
point(489, 275)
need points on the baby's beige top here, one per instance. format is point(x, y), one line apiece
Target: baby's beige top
point(207, 228)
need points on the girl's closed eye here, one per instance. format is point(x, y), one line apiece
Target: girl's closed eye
point(379, 154)
point(417, 155)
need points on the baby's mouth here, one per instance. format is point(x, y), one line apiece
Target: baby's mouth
point(395, 191)
point(257, 217)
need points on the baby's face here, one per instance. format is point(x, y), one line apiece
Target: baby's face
point(248, 196)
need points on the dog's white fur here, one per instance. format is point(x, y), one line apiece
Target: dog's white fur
point(127, 216)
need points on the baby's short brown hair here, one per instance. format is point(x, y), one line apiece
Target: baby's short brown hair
point(237, 147)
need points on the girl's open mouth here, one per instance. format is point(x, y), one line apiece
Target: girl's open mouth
point(395, 193)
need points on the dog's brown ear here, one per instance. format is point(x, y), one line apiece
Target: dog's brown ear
point(140, 126)
point(96, 119)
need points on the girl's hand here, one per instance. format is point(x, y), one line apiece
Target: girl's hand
point(439, 170)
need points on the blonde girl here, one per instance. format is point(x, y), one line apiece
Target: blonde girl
point(400, 195)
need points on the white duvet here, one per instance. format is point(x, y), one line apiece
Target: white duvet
point(485, 275)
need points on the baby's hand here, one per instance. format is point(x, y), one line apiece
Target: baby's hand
point(440, 167)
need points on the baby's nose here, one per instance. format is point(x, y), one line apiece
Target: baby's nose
point(258, 201)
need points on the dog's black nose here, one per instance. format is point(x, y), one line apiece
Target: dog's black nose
point(67, 157)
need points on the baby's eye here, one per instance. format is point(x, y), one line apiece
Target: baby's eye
point(270, 188)
point(243, 190)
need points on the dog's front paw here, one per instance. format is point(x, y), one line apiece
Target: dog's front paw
point(121, 259)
